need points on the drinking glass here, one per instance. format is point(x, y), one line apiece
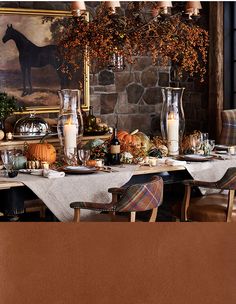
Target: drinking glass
point(205, 143)
point(204, 137)
point(195, 142)
point(211, 143)
point(231, 151)
point(84, 156)
point(8, 159)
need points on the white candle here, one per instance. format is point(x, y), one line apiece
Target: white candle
point(70, 132)
point(9, 136)
point(173, 135)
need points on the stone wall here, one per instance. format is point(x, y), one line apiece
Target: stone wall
point(132, 98)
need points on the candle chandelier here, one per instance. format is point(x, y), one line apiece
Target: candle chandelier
point(159, 8)
point(166, 31)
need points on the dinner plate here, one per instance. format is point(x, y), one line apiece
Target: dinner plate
point(196, 157)
point(221, 147)
point(221, 152)
point(79, 170)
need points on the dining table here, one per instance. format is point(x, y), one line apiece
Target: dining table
point(58, 193)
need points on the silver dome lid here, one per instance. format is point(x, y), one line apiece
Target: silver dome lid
point(31, 126)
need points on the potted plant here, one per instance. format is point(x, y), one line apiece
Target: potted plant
point(8, 105)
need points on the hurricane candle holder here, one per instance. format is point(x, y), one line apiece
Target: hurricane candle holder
point(172, 119)
point(70, 124)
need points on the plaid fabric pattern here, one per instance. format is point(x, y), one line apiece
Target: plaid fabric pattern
point(228, 133)
point(142, 197)
point(138, 197)
point(228, 181)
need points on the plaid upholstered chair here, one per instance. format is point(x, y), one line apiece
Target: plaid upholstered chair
point(215, 207)
point(228, 132)
point(137, 197)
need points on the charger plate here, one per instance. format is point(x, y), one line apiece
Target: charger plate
point(79, 170)
point(221, 147)
point(196, 157)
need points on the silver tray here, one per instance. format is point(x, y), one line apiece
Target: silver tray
point(29, 136)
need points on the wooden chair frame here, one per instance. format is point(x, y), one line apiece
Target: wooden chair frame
point(212, 185)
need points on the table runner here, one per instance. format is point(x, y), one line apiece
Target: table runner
point(58, 193)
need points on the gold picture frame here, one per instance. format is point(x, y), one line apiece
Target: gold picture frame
point(18, 15)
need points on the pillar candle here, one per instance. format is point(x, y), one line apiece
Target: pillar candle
point(9, 136)
point(173, 135)
point(70, 133)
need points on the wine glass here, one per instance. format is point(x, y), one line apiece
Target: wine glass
point(211, 143)
point(84, 156)
point(195, 142)
point(8, 159)
point(204, 138)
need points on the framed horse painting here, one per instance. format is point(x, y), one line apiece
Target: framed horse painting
point(29, 60)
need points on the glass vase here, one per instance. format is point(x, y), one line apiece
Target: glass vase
point(172, 119)
point(70, 124)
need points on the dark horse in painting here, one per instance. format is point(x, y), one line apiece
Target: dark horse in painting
point(31, 55)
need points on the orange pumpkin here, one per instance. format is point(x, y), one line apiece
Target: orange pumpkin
point(91, 163)
point(128, 139)
point(136, 138)
point(42, 151)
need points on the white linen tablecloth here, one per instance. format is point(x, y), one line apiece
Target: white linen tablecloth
point(58, 193)
point(210, 171)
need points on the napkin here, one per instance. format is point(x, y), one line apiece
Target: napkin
point(53, 174)
point(174, 162)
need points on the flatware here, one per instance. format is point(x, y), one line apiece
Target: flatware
point(107, 169)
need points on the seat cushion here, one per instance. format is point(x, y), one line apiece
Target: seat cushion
point(210, 208)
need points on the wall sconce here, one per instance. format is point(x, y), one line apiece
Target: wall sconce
point(77, 7)
point(116, 63)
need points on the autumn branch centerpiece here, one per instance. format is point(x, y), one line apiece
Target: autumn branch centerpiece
point(168, 40)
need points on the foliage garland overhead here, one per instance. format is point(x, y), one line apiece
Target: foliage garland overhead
point(166, 39)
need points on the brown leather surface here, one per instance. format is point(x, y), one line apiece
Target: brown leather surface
point(87, 263)
point(210, 208)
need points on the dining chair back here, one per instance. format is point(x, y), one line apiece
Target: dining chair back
point(228, 132)
point(137, 197)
